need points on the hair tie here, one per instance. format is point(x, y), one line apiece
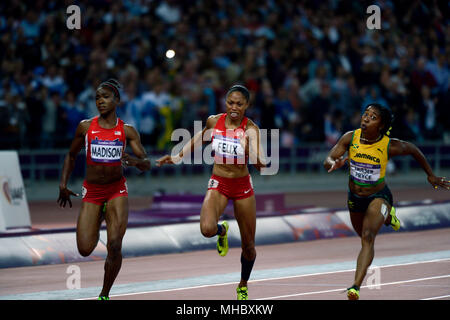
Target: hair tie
point(389, 131)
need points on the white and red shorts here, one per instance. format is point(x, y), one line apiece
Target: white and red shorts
point(100, 193)
point(232, 188)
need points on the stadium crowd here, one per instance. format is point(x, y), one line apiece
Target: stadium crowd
point(311, 66)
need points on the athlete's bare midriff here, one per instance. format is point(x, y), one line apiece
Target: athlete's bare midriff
point(365, 191)
point(103, 174)
point(230, 170)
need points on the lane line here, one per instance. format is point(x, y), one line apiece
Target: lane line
point(435, 298)
point(168, 285)
point(270, 279)
point(345, 289)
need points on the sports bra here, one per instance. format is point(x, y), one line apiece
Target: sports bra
point(368, 161)
point(226, 142)
point(105, 146)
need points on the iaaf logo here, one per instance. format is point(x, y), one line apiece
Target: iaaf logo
point(13, 195)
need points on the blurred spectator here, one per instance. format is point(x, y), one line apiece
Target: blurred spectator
point(73, 112)
point(333, 127)
point(49, 119)
point(439, 68)
point(319, 107)
point(155, 115)
point(421, 77)
point(319, 61)
point(371, 95)
point(285, 113)
point(54, 80)
point(412, 125)
point(131, 107)
point(305, 62)
point(428, 115)
point(34, 100)
point(265, 101)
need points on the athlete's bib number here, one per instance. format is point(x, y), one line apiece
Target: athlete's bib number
point(106, 151)
point(365, 172)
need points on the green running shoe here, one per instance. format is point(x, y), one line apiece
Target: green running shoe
point(222, 241)
point(395, 223)
point(353, 293)
point(242, 293)
point(103, 298)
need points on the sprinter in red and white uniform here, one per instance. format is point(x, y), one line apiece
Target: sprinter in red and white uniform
point(235, 141)
point(104, 191)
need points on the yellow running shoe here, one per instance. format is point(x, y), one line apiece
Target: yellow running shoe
point(242, 293)
point(395, 223)
point(353, 293)
point(222, 241)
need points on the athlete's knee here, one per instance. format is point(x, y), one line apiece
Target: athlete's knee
point(368, 237)
point(208, 229)
point(249, 251)
point(114, 247)
point(85, 250)
point(86, 245)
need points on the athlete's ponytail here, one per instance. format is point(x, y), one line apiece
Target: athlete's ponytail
point(388, 133)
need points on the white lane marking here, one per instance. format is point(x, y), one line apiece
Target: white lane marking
point(344, 289)
point(435, 298)
point(271, 279)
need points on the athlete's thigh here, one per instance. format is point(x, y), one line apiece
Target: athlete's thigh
point(357, 219)
point(376, 215)
point(245, 214)
point(116, 217)
point(88, 224)
point(213, 206)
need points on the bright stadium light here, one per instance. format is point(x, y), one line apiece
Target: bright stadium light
point(170, 54)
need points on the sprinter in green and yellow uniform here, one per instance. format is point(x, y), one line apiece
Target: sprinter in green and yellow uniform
point(369, 199)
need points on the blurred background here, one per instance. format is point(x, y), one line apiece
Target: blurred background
point(311, 67)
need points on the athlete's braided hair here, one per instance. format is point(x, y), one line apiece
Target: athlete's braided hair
point(386, 117)
point(113, 85)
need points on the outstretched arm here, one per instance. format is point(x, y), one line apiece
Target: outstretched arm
point(189, 147)
point(69, 163)
point(402, 148)
point(140, 161)
point(334, 159)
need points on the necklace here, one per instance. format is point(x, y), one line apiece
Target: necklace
point(370, 141)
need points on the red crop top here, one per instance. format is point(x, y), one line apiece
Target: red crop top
point(105, 146)
point(226, 142)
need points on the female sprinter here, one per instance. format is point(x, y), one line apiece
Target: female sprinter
point(104, 191)
point(369, 199)
point(230, 178)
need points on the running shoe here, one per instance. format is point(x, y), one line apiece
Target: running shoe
point(353, 293)
point(395, 223)
point(103, 298)
point(222, 241)
point(242, 293)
